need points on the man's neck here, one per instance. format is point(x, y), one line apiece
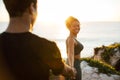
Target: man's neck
point(19, 25)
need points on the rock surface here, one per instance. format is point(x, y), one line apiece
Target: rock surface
point(91, 73)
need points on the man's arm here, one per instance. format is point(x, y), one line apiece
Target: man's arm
point(54, 60)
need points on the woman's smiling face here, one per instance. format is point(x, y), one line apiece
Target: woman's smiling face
point(75, 27)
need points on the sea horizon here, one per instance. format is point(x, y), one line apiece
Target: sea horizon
point(91, 35)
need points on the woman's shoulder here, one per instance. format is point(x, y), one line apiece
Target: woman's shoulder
point(70, 40)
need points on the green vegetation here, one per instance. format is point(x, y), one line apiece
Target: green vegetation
point(108, 51)
point(102, 67)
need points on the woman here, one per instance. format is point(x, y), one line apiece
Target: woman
point(73, 46)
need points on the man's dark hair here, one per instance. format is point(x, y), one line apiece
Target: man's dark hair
point(17, 7)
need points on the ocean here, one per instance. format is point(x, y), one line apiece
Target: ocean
point(91, 35)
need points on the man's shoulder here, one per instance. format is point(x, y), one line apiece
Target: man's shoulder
point(43, 40)
point(1, 34)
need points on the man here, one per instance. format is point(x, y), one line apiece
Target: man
point(28, 56)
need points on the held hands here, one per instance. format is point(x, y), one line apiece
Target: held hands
point(73, 76)
point(69, 72)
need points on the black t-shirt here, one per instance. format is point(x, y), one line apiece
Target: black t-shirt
point(30, 57)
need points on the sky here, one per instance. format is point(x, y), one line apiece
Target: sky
point(84, 10)
point(56, 11)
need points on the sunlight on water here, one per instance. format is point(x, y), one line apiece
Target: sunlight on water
point(91, 35)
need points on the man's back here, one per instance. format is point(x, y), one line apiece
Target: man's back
point(30, 57)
